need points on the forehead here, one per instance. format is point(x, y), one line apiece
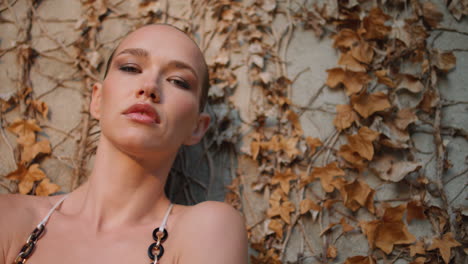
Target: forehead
point(166, 43)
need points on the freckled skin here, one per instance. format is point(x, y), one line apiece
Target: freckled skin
point(110, 218)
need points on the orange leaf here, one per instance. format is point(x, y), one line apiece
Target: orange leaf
point(332, 252)
point(45, 188)
point(417, 248)
point(27, 182)
point(360, 260)
point(313, 143)
point(40, 107)
point(352, 81)
point(358, 194)
point(414, 211)
point(31, 151)
point(363, 52)
point(346, 227)
point(348, 61)
point(307, 205)
point(445, 244)
point(277, 226)
point(345, 117)
point(283, 178)
point(25, 130)
point(367, 104)
point(326, 175)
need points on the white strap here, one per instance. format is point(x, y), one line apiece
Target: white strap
point(51, 211)
point(163, 226)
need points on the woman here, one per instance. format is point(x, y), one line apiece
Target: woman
point(148, 106)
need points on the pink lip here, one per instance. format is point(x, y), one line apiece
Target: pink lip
point(143, 113)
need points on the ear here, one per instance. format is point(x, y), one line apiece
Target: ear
point(95, 105)
point(200, 129)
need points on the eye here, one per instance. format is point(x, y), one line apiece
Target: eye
point(129, 68)
point(181, 83)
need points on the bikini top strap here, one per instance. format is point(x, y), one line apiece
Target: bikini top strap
point(166, 216)
point(51, 211)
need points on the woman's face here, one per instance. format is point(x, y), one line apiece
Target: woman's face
point(149, 100)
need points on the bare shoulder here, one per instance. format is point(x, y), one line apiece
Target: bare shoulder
point(212, 225)
point(20, 214)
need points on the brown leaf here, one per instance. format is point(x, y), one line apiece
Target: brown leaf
point(283, 209)
point(395, 138)
point(431, 14)
point(415, 210)
point(307, 205)
point(313, 144)
point(417, 248)
point(410, 83)
point(283, 178)
point(429, 101)
point(389, 168)
point(25, 130)
point(345, 39)
point(363, 52)
point(40, 107)
point(383, 78)
point(358, 194)
point(352, 81)
point(420, 260)
point(443, 61)
point(346, 227)
point(389, 231)
point(374, 24)
point(349, 63)
point(294, 119)
point(360, 260)
point(45, 188)
point(444, 244)
point(18, 174)
point(332, 252)
point(351, 156)
point(367, 104)
point(27, 181)
point(345, 117)
point(405, 117)
point(31, 151)
point(277, 226)
point(359, 146)
point(326, 175)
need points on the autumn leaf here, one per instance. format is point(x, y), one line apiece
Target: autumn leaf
point(444, 61)
point(283, 209)
point(306, 205)
point(388, 231)
point(349, 63)
point(31, 151)
point(360, 147)
point(294, 119)
point(352, 81)
point(345, 39)
point(410, 83)
point(40, 107)
point(277, 227)
point(420, 260)
point(345, 117)
point(351, 156)
point(283, 178)
point(45, 188)
point(405, 117)
point(374, 24)
point(25, 130)
point(358, 194)
point(313, 144)
point(27, 177)
point(346, 227)
point(417, 248)
point(326, 175)
point(432, 16)
point(429, 101)
point(332, 252)
point(360, 260)
point(363, 52)
point(415, 210)
point(444, 245)
point(389, 168)
point(367, 104)
point(383, 78)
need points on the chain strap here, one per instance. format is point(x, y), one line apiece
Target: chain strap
point(28, 248)
point(156, 250)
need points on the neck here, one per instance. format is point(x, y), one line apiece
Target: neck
point(122, 189)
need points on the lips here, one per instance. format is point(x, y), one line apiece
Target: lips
point(143, 113)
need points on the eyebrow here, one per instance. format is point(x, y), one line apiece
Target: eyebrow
point(138, 52)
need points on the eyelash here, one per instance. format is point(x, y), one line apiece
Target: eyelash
point(129, 69)
point(132, 69)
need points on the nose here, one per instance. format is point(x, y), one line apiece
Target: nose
point(149, 90)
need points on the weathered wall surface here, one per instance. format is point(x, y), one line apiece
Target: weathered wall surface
point(380, 183)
